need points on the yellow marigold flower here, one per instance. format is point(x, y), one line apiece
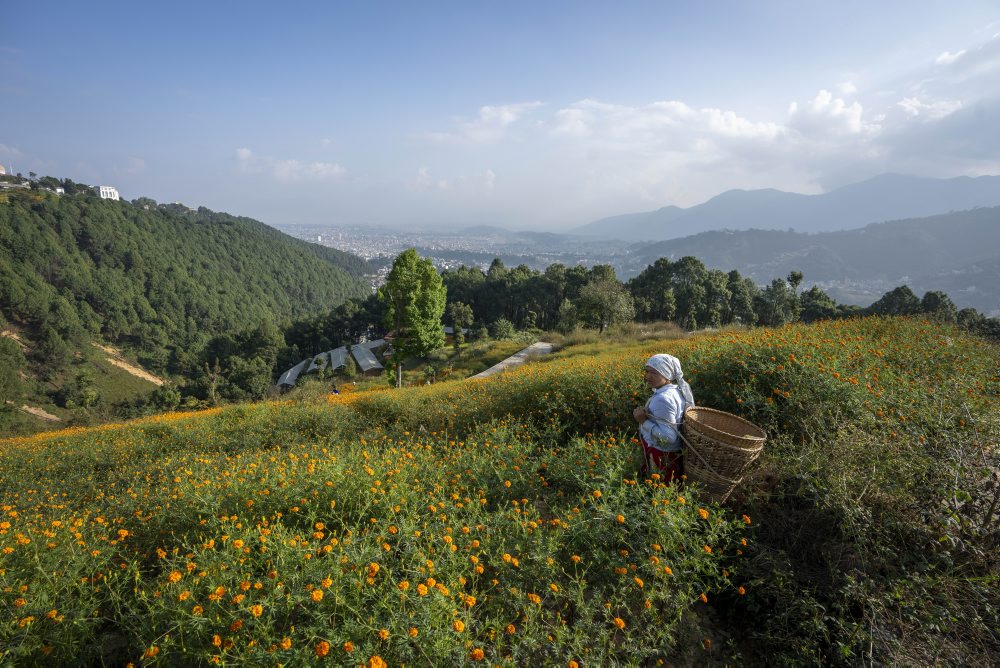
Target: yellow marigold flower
point(256, 610)
point(348, 646)
point(183, 596)
point(404, 585)
point(743, 542)
point(175, 576)
point(217, 640)
point(667, 571)
point(413, 632)
point(316, 595)
point(325, 583)
point(383, 634)
point(477, 654)
point(238, 544)
point(422, 589)
point(596, 494)
point(554, 587)
point(535, 598)
point(638, 581)
point(377, 662)
point(286, 643)
point(322, 648)
point(620, 519)
point(619, 622)
point(458, 625)
point(197, 610)
point(708, 550)
point(703, 513)
point(506, 557)
point(575, 558)
point(704, 598)
point(51, 614)
point(681, 500)
point(573, 664)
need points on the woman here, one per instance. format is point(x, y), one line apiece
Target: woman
point(660, 419)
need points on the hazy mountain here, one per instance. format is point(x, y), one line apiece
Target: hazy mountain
point(885, 197)
point(958, 253)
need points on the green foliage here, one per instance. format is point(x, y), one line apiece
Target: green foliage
point(502, 329)
point(415, 298)
point(12, 363)
point(154, 278)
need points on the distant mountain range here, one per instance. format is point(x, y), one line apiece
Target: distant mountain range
point(958, 253)
point(882, 198)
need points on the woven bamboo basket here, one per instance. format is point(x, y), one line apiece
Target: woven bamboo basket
point(720, 447)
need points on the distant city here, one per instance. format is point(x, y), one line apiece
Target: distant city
point(472, 247)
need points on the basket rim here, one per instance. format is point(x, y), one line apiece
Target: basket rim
point(760, 434)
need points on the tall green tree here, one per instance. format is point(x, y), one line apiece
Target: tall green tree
point(415, 299)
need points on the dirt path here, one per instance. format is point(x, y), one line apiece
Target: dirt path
point(115, 358)
point(14, 337)
point(517, 359)
point(38, 412)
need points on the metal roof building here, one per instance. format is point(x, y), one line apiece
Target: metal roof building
point(365, 358)
point(290, 376)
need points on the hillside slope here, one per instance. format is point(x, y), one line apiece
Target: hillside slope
point(503, 520)
point(167, 274)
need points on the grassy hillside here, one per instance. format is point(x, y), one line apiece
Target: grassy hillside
point(502, 520)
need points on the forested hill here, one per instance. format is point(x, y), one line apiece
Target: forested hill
point(156, 277)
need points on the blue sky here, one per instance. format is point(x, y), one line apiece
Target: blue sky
point(529, 115)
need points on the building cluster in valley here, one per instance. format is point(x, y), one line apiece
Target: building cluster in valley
point(365, 355)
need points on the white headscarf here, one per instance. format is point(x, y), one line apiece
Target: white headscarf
point(669, 367)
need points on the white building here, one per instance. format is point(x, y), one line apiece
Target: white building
point(107, 192)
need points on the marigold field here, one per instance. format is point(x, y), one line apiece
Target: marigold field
point(502, 520)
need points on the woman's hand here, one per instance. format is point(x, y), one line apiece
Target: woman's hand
point(639, 413)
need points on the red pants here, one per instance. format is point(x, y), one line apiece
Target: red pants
point(668, 464)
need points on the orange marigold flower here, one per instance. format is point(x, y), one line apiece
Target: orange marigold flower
point(596, 493)
point(703, 513)
point(256, 610)
point(458, 625)
point(575, 558)
point(422, 589)
point(477, 654)
point(413, 632)
point(741, 591)
point(383, 634)
point(286, 643)
point(511, 629)
point(704, 598)
point(619, 622)
point(620, 519)
point(708, 550)
point(535, 598)
point(554, 587)
point(175, 576)
point(377, 662)
point(197, 610)
point(322, 648)
point(348, 646)
point(316, 595)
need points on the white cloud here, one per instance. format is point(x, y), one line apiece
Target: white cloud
point(826, 115)
point(914, 107)
point(947, 58)
point(288, 170)
point(847, 88)
point(491, 125)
